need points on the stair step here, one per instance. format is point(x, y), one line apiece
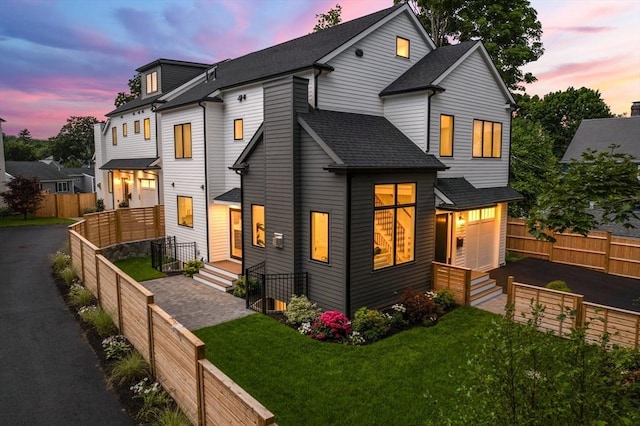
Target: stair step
point(479, 287)
point(212, 280)
point(478, 277)
point(488, 294)
point(209, 268)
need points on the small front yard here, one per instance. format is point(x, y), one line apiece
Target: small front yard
point(139, 268)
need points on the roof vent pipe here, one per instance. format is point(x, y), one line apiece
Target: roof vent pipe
point(635, 109)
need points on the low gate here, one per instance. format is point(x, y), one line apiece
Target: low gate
point(270, 293)
point(168, 256)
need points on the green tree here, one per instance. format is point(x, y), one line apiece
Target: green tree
point(560, 113)
point(25, 135)
point(509, 29)
point(609, 179)
point(17, 150)
point(327, 20)
point(532, 163)
point(74, 144)
point(135, 88)
point(24, 195)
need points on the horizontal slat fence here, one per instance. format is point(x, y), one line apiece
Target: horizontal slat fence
point(118, 226)
point(66, 205)
point(599, 250)
point(622, 326)
point(455, 279)
point(205, 394)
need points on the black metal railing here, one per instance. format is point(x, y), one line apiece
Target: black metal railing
point(270, 293)
point(168, 256)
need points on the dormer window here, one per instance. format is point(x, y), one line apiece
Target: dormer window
point(402, 47)
point(152, 82)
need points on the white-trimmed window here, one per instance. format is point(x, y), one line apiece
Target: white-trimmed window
point(62, 186)
point(320, 236)
point(258, 236)
point(149, 184)
point(394, 224)
point(136, 126)
point(185, 211)
point(487, 139)
point(152, 82)
point(481, 214)
point(182, 140)
point(446, 135)
point(402, 47)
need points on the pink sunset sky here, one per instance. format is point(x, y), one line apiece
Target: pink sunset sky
point(60, 58)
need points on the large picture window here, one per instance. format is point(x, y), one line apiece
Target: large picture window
point(487, 139)
point(185, 211)
point(320, 236)
point(446, 135)
point(394, 224)
point(147, 129)
point(258, 226)
point(182, 140)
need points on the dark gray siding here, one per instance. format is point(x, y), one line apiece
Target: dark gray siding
point(380, 288)
point(252, 193)
point(321, 191)
point(174, 75)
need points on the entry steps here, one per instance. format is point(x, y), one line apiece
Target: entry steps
point(483, 288)
point(219, 275)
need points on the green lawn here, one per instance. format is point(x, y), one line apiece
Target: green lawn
point(14, 221)
point(139, 268)
point(401, 380)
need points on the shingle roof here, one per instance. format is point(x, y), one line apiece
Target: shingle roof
point(37, 169)
point(297, 54)
point(130, 164)
point(425, 72)
point(78, 171)
point(134, 104)
point(231, 196)
point(465, 196)
point(599, 133)
point(366, 142)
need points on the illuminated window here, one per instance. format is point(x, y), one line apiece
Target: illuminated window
point(110, 182)
point(483, 214)
point(402, 47)
point(182, 140)
point(114, 135)
point(149, 184)
point(152, 82)
point(394, 224)
point(185, 211)
point(238, 129)
point(446, 135)
point(136, 126)
point(320, 236)
point(257, 226)
point(487, 139)
point(124, 129)
point(147, 128)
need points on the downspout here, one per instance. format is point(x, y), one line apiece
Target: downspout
point(153, 109)
point(347, 305)
point(206, 174)
point(316, 74)
point(239, 172)
point(432, 92)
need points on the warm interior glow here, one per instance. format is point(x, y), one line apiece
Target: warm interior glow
point(185, 211)
point(258, 226)
point(402, 47)
point(320, 236)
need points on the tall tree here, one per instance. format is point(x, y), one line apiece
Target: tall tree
point(17, 150)
point(609, 179)
point(560, 113)
point(135, 88)
point(25, 135)
point(74, 144)
point(509, 29)
point(331, 18)
point(24, 195)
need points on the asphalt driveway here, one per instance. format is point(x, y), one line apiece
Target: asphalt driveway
point(48, 372)
point(596, 287)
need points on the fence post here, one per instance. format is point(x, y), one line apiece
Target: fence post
point(607, 253)
point(510, 290)
point(580, 312)
point(467, 287)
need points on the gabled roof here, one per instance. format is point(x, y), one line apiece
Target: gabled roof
point(131, 164)
point(357, 141)
point(599, 133)
point(163, 61)
point(35, 169)
point(461, 195)
point(294, 55)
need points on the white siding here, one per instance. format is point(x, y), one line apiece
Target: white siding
point(133, 145)
point(502, 215)
point(219, 232)
point(355, 83)
point(187, 177)
point(409, 114)
point(471, 93)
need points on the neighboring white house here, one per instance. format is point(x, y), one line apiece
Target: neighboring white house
point(449, 101)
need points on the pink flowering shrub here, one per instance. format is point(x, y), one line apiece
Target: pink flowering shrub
point(330, 326)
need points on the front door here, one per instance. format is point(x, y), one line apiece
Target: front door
point(442, 231)
point(235, 233)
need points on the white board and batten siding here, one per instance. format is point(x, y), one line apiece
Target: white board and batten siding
point(187, 175)
point(356, 82)
point(471, 93)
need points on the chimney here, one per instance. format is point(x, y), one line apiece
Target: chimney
point(635, 109)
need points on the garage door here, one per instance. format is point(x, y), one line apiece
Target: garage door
point(481, 241)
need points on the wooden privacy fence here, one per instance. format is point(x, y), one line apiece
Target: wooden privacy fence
point(622, 326)
point(176, 356)
point(118, 226)
point(453, 278)
point(599, 250)
point(66, 205)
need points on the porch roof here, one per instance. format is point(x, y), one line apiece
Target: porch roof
point(131, 164)
point(460, 194)
point(233, 196)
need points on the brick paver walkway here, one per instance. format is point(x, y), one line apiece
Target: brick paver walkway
point(193, 304)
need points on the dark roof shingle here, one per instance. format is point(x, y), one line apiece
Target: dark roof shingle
point(37, 169)
point(599, 133)
point(465, 196)
point(231, 196)
point(130, 164)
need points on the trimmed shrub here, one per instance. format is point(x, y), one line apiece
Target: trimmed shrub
point(330, 326)
point(129, 368)
point(192, 267)
point(240, 286)
point(300, 309)
point(445, 299)
point(558, 285)
point(420, 307)
point(371, 324)
point(80, 296)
